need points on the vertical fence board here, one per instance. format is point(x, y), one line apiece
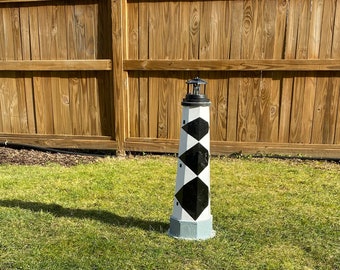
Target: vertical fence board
point(288, 80)
point(118, 12)
point(143, 53)
point(30, 104)
point(176, 86)
point(133, 95)
point(313, 53)
point(247, 128)
point(155, 39)
point(269, 85)
point(91, 34)
point(335, 81)
point(43, 85)
point(9, 35)
point(71, 33)
point(75, 100)
point(4, 98)
point(194, 29)
point(60, 95)
point(26, 55)
point(43, 104)
point(93, 111)
point(74, 85)
point(22, 109)
point(299, 131)
point(235, 21)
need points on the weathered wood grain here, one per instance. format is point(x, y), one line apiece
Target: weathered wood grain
point(193, 14)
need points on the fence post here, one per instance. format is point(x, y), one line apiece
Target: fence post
point(120, 77)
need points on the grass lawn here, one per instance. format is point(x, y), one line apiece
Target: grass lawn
point(114, 214)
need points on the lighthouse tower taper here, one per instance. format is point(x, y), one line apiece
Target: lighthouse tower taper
point(191, 217)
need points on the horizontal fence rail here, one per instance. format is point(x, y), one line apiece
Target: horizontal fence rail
point(55, 65)
point(234, 65)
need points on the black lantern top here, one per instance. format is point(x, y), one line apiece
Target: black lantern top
point(195, 97)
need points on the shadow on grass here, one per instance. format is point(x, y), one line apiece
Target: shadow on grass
point(100, 215)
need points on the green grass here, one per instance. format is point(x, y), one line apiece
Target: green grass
point(114, 214)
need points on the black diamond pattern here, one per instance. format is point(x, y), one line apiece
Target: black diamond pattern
point(196, 158)
point(197, 128)
point(194, 197)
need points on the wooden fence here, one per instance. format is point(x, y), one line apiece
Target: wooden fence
point(111, 74)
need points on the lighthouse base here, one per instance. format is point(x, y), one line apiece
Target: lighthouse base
point(191, 230)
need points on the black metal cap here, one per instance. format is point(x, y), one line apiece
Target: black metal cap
point(196, 98)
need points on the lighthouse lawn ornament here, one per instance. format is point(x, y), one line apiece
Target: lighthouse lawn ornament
point(191, 218)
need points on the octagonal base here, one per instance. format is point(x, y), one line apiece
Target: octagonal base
point(191, 230)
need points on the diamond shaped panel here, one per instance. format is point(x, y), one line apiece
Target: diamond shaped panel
point(194, 197)
point(197, 128)
point(196, 158)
